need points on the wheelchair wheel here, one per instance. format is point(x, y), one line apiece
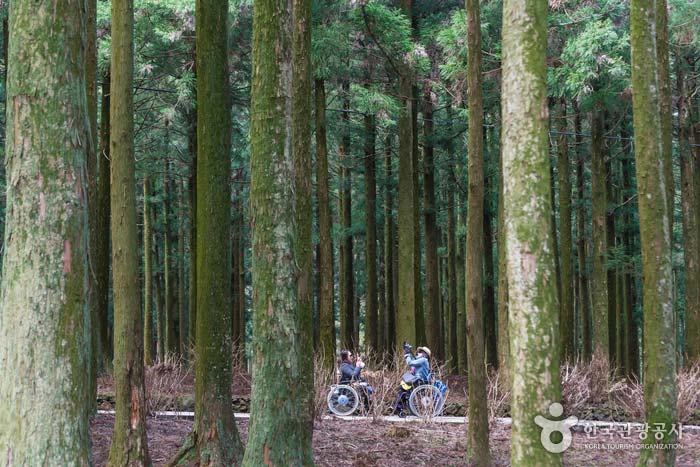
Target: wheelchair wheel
point(343, 400)
point(426, 401)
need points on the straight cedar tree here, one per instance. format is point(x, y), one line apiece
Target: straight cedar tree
point(371, 302)
point(102, 254)
point(478, 453)
point(406, 222)
point(659, 330)
point(303, 381)
point(389, 244)
point(581, 242)
point(192, 199)
point(599, 278)
point(171, 346)
point(689, 209)
point(566, 321)
point(182, 323)
point(325, 224)
point(129, 444)
point(91, 92)
point(214, 439)
point(533, 308)
point(279, 431)
point(432, 303)
point(347, 275)
point(45, 275)
point(451, 308)
point(148, 347)
point(504, 361)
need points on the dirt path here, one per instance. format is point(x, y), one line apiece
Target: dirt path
point(361, 443)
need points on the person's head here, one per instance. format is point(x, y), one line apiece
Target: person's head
point(423, 351)
point(346, 356)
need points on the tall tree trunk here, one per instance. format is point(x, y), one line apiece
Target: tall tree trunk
point(599, 278)
point(654, 222)
point(192, 200)
point(91, 91)
point(302, 380)
point(240, 274)
point(504, 360)
point(566, 321)
point(129, 443)
point(371, 303)
point(325, 224)
point(452, 276)
point(478, 453)
point(458, 331)
point(214, 438)
point(45, 315)
point(432, 303)
point(347, 304)
point(102, 253)
point(148, 347)
point(278, 433)
point(584, 295)
point(406, 223)
point(182, 323)
point(611, 272)
point(160, 303)
point(689, 168)
point(628, 190)
point(491, 344)
point(389, 245)
point(417, 252)
point(235, 282)
point(169, 311)
point(533, 308)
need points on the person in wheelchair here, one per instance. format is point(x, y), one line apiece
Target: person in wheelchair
point(350, 369)
point(418, 374)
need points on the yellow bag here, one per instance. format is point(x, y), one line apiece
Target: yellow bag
point(405, 385)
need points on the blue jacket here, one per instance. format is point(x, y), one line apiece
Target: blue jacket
point(421, 365)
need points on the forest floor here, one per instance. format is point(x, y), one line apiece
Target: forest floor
point(365, 443)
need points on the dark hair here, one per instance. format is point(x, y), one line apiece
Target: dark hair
point(344, 356)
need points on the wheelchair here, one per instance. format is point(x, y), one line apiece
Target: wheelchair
point(344, 399)
point(425, 399)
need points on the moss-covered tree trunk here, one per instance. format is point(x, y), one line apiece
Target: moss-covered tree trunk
point(91, 92)
point(432, 302)
point(159, 301)
point(302, 379)
point(102, 253)
point(171, 346)
point(504, 361)
point(452, 280)
point(611, 271)
point(566, 321)
point(325, 224)
point(584, 295)
point(129, 444)
point(371, 300)
point(192, 200)
point(490, 338)
point(279, 426)
point(45, 316)
point(181, 319)
point(347, 275)
point(659, 330)
point(148, 347)
point(389, 248)
point(599, 277)
point(478, 453)
point(406, 222)
point(214, 438)
point(532, 294)
point(690, 212)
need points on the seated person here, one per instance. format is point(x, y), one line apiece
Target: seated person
point(420, 365)
point(419, 373)
point(350, 368)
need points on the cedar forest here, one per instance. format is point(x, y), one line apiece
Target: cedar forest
point(246, 187)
